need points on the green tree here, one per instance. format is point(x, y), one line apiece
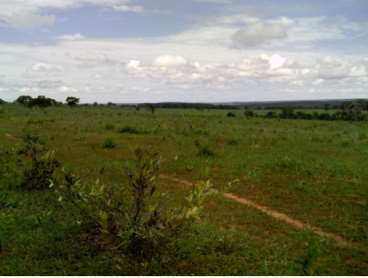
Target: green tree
point(72, 101)
point(24, 100)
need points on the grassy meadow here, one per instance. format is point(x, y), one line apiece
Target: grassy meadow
point(313, 171)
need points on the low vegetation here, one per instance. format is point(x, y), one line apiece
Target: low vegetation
point(69, 206)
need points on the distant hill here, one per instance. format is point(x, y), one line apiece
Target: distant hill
point(331, 103)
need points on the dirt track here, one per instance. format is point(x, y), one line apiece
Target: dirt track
point(272, 213)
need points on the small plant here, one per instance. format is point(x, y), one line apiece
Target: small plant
point(233, 142)
point(129, 130)
point(231, 115)
point(205, 151)
point(40, 175)
point(43, 164)
point(5, 203)
point(109, 144)
point(310, 262)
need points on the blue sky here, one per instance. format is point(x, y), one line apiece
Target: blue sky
point(188, 50)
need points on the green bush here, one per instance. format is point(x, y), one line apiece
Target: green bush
point(40, 175)
point(133, 217)
point(108, 144)
point(5, 202)
point(43, 164)
point(205, 151)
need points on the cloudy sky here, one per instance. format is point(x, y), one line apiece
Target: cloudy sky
point(184, 50)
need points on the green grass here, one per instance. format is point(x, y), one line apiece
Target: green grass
point(315, 171)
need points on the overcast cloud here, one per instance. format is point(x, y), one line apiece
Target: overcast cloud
point(192, 50)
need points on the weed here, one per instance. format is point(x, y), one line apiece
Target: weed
point(205, 151)
point(233, 142)
point(43, 165)
point(40, 175)
point(310, 263)
point(109, 144)
point(5, 202)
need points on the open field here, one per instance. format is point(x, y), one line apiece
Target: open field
point(314, 172)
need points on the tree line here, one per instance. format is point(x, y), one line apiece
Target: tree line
point(43, 101)
point(352, 111)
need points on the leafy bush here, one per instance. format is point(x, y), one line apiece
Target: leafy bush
point(249, 113)
point(231, 115)
point(43, 164)
point(5, 202)
point(133, 217)
point(108, 144)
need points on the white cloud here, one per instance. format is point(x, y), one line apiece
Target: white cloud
point(66, 89)
point(44, 68)
point(170, 61)
point(26, 14)
point(198, 65)
point(71, 37)
point(127, 8)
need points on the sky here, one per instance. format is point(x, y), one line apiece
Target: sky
point(130, 51)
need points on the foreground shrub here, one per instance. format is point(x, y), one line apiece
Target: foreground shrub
point(133, 217)
point(43, 164)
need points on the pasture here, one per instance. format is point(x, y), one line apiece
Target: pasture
point(314, 173)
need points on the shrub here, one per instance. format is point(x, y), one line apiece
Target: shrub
point(130, 130)
point(249, 113)
point(271, 114)
point(108, 144)
point(231, 115)
point(5, 202)
point(133, 217)
point(205, 151)
point(40, 175)
point(43, 164)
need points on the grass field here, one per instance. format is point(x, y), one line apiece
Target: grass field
point(312, 171)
